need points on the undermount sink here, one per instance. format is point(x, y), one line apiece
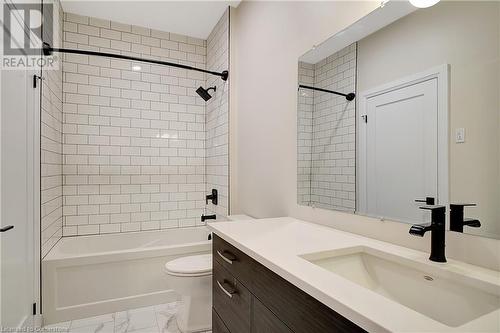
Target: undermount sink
point(441, 297)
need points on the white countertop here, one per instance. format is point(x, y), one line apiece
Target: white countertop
point(277, 244)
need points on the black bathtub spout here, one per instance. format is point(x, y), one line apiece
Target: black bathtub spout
point(208, 217)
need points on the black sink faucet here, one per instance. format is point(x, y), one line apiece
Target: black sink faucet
point(457, 220)
point(437, 229)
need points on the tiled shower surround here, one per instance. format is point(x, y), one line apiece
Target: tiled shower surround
point(217, 117)
point(51, 157)
point(326, 138)
point(305, 106)
point(138, 141)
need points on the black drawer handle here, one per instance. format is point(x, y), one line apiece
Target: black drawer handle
point(228, 290)
point(227, 256)
point(7, 228)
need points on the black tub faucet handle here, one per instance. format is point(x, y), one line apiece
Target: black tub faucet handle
point(214, 197)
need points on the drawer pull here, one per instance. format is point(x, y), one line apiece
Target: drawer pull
point(230, 292)
point(225, 257)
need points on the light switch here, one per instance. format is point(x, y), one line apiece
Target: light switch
point(460, 135)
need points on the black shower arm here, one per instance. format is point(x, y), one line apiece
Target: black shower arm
point(349, 96)
point(48, 50)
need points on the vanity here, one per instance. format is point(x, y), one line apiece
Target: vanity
point(287, 275)
point(248, 297)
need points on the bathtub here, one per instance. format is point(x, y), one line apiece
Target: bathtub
point(91, 275)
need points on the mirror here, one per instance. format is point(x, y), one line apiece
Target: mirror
point(424, 126)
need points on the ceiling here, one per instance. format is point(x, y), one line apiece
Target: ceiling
point(191, 18)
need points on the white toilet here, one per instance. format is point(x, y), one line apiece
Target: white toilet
point(191, 277)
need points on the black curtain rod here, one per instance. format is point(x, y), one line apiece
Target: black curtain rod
point(48, 50)
point(349, 96)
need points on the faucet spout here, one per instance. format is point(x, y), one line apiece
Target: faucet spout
point(474, 223)
point(420, 229)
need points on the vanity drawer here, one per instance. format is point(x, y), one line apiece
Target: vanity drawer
point(232, 259)
point(231, 300)
point(301, 312)
point(218, 325)
point(264, 321)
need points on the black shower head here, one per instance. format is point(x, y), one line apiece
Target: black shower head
point(204, 92)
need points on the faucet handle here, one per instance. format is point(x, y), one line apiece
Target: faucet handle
point(461, 205)
point(433, 207)
point(427, 201)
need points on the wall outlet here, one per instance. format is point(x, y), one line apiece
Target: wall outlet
point(460, 135)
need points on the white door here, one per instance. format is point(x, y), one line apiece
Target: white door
point(401, 151)
point(18, 192)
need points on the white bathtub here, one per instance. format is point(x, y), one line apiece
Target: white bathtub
point(91, 275)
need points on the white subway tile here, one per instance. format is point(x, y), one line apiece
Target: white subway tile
point(134, 141)
point(99, 22)
point(110, 34)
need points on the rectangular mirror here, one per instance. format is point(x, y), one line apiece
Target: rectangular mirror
point(424, 126)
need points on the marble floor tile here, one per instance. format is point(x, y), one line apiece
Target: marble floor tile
point(57, 328)
point(103, 327)
point(165, 317)
point(136, 319)
point(93, 321)
point(158, 318)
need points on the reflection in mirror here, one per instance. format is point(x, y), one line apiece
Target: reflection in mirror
point(424, 126)
point(326, 137)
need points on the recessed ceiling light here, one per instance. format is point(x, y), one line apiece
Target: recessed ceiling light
point(136, 68)
point(423, 3)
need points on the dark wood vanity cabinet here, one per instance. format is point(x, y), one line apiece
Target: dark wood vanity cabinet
point(249, 298)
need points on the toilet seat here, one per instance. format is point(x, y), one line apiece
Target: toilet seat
point(198, 265)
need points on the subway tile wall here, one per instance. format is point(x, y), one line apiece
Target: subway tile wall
point(333, 145)
point(134, 140)
point(305, 106)
point(217, 122)
point(51, 116)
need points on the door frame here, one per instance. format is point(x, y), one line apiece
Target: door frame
point(442, 74)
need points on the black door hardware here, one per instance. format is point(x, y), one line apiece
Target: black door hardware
point(428, 201)
point(208, 217)
point(437, 229)
point(7, 228)
point(457, 220)
point(214, 197)
point(35, 80)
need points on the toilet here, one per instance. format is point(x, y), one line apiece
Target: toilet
point(191, 278)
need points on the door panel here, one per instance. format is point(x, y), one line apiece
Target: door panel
point(401, 151)
point(19, 192)
point(16, 255)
